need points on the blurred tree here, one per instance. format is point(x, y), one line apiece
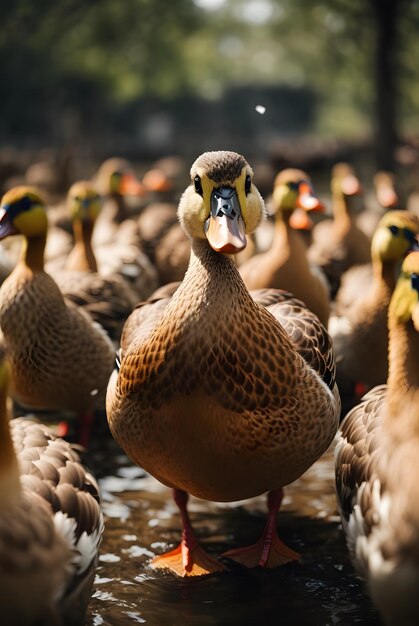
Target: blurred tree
point(71, 67)
point(387, 15)
point(60, 56)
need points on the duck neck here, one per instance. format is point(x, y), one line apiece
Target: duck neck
point(282, 232)
point(403, 361)
point(9, 471)
point(287, 242)
point(204, 257)
point(32, 254)
point(342, 217)
point(214, 276)
point(120, 211)
point(384, 279)
point(83, 258)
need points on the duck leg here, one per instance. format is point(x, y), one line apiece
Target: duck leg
point(269, 551)
point(85, 420)
point(188, 559)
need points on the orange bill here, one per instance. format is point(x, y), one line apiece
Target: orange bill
point(155, 180)
point(226, 234)
point(130, 186)
point(300, 220)
point(387, 197)
point(307, 199)
point(351, 186)
point(225, 228)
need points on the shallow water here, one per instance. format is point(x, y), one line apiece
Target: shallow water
point(142, 520)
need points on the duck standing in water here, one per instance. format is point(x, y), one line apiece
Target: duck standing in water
point(59, 358)
point(50, 525)
point(215, 396)
point(377, 467)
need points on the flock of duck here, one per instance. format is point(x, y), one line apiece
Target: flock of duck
point(226, 384)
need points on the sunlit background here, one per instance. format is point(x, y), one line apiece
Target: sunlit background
point(145, 78)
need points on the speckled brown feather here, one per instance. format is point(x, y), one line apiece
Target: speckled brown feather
point(214, 347)
point(142, 321)
point(165, 291)
point(376, 484)
point(43, 579)
point(355, 452)
point(107, 299)
point(51, 467)
point(219, 166)
point(57, 354)
point(377, 466)
point(307, 333)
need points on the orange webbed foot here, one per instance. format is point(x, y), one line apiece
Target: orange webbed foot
point(269, 551)
point(183, 562)
point(261, 555)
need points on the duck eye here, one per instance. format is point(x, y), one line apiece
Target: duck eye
point(25, 203)
point(247, 184)
point(414, 279)
point(394, 229)
point(198, 185)
point(409, 235)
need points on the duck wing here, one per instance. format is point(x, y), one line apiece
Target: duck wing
point(354, 465)
point(308, 335)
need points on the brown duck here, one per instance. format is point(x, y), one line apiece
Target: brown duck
point(50, 525)
point(59, 358)
point(285, 264)
point(216, 395)
point(377, 465)
point(108, 299)
point(339, 243)
point(360, 335)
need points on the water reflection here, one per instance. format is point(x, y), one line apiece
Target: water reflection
point(142, 520)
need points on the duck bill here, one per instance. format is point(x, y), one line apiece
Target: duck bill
point(6, 226)
point(351, 186)
point(130, 186)
point(225, 228)
point(388, 198)
point(300, 220)
point(155, 180)
point(307, 199)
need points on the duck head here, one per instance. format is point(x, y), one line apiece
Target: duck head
point(384, 184)
point(293, 190)
point(395, 236)
point(404, 303)
point(22, 211)
point(221, 204)
point(115, 177)
point(83, 201)
point(344, 181)
point(294, 194)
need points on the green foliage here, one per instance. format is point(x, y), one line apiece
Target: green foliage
point(57, 56)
